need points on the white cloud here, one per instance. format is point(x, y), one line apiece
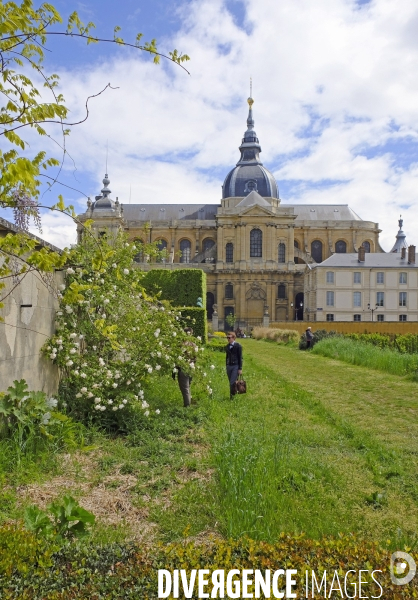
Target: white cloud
point(330, 79)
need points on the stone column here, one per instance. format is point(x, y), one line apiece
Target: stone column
point(215, 319)
point(266, 317)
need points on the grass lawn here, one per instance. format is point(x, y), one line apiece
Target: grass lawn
point(315, 445)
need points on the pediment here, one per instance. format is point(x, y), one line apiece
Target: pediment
point(256, 211)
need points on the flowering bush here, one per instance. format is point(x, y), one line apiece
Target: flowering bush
point(111, 336)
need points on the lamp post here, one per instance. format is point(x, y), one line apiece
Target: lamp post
point(372, 309)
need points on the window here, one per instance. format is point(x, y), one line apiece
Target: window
point(402, 318)
point(330, 317)
point(356, 298)
point(380, 277)
point(330, 276)
point(161, 247)
point(229, 252)
point(366, 246)
point(380, 298)
point(256, 243)
point(295, 258)
point(282, 252)
point(357, 277)
point(330, 298)
point(402, 298)
point(316, 251)
point(186, 250)
point(229, 291)
point(208, 244)
point(403, 278)
point(281, 291)
point(380, 318)
point(341, 247)
point(357, 318)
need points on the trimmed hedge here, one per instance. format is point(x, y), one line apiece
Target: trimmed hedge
point(196, 319)
point(116, 571)
point(182, 287)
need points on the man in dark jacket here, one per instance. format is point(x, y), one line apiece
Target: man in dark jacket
point(233, 361)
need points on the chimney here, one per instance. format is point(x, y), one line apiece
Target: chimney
point(403, 252)
point(361, 254)
point(411, 255)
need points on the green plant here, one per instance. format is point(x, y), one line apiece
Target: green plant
point(62, 519)
point(182, 287)
point(230, 320)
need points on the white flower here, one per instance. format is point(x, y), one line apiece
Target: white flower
point(114, 408)
point(90, 395)
point(124, 401)
point(114, 385)
point(110, 401)
point(109, 373)
point(102, 281)
point(59, 313)
point(144, 404)
point(128, 382)
point(157, 411)
point(103, 316)
point(69, 363)
point(160, 343)
point(60, 347)
point(70, 271)
point(83, 375)
point(76, 372)
point(68, 308)
point(212, 366)
point(49, 348)
point(199, 338)
point(174, 334)
point(126, 271)
point(73, 335)
point(159, 354)
point(61, 287)
point(73, 351)
point(115, 287)
point(156, 333)
point(204, 374)
point(191, 365)
point(96, 385)
point(46, 418)
point(94, 347)
point(114, 265)
point(81, 336)
point(101, 362)
point(146, 413)
point(83, 390)
point(157, 367)
point(52, 356)
point(59, 341)
point(210, 390)
point(51, 402)
point(121, 406)
point(78, 395)
point(175, 370)
point(106, 301)
point(117, 375)
point(102, 408)
point(97, 407)
point(141, 394)
point(149, 369)
point(97, 400)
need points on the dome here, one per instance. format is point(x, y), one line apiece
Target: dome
point(400, 238)
point(249, 174)
point(104, 201)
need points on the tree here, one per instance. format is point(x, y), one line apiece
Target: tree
point(24, 31)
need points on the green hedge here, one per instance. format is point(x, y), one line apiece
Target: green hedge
point(182, 287)
point(196, 319)
point(84, 571)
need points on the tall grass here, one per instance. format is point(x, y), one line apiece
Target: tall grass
point(281, 336)
point(367, 355)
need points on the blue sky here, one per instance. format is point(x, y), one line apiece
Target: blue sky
point(335, 108)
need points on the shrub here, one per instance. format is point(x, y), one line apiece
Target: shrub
point(318, 335)
point(181, 287)
point(196, 319)
point(217, 344)
point(281, 336)
point(220, 334)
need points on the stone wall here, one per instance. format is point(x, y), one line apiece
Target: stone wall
point(29, 318)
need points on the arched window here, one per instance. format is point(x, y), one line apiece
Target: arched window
point(139, 257)
point(186, 250)
point(256, 243)
point(341, 247)
point(161, 247)
point(210, 301)
point(281, 291)
point(208, 244)
point(229, 291)
point(229, 252)
point(366, 246)
point(316, 251)
point(282, 252)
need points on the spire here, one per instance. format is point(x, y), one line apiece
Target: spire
point(400, 238)
point(250, 146)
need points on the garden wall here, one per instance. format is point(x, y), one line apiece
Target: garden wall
point(29, 319)
point(349, 326)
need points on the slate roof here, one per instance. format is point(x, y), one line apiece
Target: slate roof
point(383, 260)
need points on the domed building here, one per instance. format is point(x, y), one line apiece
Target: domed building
point(253, 248)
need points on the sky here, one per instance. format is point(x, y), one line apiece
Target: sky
point(336, 104)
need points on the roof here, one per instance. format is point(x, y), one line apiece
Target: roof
point(383, 260)
point(208, 212)
point(8, 227)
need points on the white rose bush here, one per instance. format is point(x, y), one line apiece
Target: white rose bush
point(111, 336)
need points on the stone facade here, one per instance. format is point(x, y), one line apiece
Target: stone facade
point(253, 247)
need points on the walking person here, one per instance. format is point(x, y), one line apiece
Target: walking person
point(233, 361)
point(183, 378)
point(309, 338)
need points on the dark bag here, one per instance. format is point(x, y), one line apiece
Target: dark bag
point(241, 385)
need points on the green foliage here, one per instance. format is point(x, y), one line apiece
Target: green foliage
point(369, 355)
point(66, 519)
point(406, 343)
point(112, 337)
point(318, 335)
point(230, 321)
point(119, 570)
point(22, 552)
point(195, 318)
point(218, 344)
point(182, 287)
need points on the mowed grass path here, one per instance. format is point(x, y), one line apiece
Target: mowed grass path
point(317, 446)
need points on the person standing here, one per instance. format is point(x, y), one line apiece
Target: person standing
point(183, 378)
point(233, 361)
point(309, 338)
